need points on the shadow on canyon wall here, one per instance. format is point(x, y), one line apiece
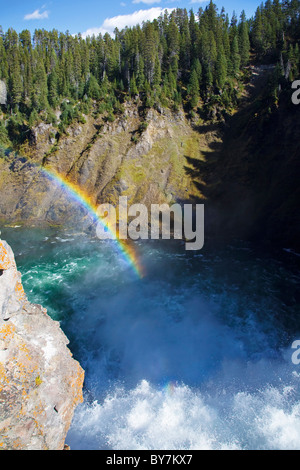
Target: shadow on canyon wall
point(250, 183)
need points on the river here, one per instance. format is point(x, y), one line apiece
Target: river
point(196, 354)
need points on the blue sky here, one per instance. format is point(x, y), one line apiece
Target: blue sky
point(94, 16)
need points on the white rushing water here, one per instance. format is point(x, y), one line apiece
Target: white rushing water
point(197, 355)
point(199, 383)
point(149, 418)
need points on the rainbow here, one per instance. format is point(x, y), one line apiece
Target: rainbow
point(169, 387)
point(77, 194)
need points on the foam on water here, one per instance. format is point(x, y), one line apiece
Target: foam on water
point(148, 418)
point(224, 391)
point(195, 356)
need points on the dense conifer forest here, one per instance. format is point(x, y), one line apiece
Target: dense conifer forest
point(196, 60)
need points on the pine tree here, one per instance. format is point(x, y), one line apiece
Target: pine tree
point(244, 42)
point(173, 46)
point(198, 67)
point(171, 83)
point(133, 88)
point(157, 73)
point(221, 69)
point(149, 51)
point(257, 32)
point(193, 89)
point(141, 75)
point(15, 80)
point(208, 77)
point(40, 87)
point(33, 118)
point(93, 89)
point(4, 73)
point(235, 57)
point(53, 89)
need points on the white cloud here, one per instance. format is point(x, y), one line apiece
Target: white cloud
point(37, 15)
point(121, 21)
point(147, 2)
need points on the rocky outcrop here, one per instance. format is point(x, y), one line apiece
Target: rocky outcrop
point(141, 155)
point(245, 169)
point(40, 382)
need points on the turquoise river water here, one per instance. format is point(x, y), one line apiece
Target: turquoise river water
point(195, 355)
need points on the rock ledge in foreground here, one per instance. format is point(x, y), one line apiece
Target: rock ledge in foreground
point(40, 382)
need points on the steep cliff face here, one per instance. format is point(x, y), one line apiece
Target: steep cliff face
point(40, 382)
point(245, 170)
point(250, 183)
point(142, 155)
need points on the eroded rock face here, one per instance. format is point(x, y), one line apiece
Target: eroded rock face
point(40, 382)
point(96, 157)
point(12, 296)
